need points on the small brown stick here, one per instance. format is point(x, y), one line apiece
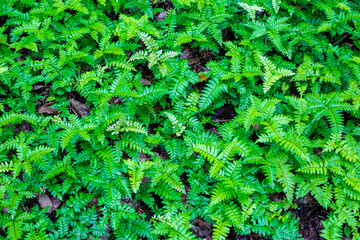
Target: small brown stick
point(342, 39)
point(219, 120)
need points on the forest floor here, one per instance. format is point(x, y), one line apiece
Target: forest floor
point(309, 212)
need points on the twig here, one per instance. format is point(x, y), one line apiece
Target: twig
point(342, 39)
point(219, 120)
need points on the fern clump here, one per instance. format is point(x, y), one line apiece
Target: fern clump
point(106, 132)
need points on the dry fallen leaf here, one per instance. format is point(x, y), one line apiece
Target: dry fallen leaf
point(44, 201)
point(81, 108)
point(55, 203)
point(145, 82)
point(37, 87)
point(46, 109)
point(161, 16)
point(201, 228)
point(193, 61)
point(144, 157)
point(185, 54)
point(349, 44)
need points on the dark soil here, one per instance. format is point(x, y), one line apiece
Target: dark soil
point(310, 214)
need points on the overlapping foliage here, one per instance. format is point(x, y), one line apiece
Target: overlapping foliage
point(290, 70)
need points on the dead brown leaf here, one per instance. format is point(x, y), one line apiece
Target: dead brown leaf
point(45, 109)
point(5, 209)
point(193, 61)
point(37, 87)
point(349, 44)
point(44, 201)
point(257, 126)
point(161, 16)
point(55, 202)
point(201, 228)
point(185, 54)
point(79, 108)
point(145, 82)
point(144, 157)
point(197, 58)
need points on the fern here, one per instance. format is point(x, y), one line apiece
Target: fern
point(272, 74)
point(212, 91)
point(153, 119)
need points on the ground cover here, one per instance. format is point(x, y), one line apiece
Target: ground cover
point(182, 119)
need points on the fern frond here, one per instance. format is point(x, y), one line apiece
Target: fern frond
point(212, 90)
